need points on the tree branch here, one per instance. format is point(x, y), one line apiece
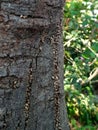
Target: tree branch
point(90, 77)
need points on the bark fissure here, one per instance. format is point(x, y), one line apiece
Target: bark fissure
point(18, 57)
point(56, 78)
point(18, 124)
point(28, 96)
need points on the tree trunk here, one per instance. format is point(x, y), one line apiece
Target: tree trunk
point(31, 65)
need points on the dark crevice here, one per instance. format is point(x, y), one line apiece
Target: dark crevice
point(53, 6)
point(28, 96)
point(18, 124)
point(56, 78)
point(36, 61)
point(17, 57)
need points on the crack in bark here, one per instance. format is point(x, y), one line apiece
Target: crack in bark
point(55, 77)
point(28, 95)
point(17, 57)
point(18, 125)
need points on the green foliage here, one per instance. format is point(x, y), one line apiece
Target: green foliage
point(86, 127)
point(81, 60)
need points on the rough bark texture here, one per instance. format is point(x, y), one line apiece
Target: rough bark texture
point(31, 65)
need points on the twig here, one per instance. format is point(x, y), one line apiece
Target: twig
point(90, 77)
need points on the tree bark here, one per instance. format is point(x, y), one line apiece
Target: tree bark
point(31, 65)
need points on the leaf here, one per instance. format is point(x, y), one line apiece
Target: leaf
point(95, 47)
point(88, 54)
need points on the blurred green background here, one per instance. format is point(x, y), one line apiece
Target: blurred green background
point(80, 33)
